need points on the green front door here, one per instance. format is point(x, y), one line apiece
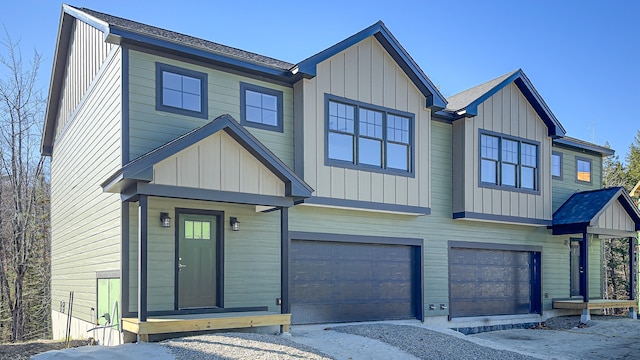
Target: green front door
point(197, 261)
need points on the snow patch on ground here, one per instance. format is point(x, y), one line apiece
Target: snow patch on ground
point(120, 352)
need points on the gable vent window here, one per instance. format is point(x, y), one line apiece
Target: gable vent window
point(508, 163)
point(181, 91)
point(261, 107)
point(368, 137)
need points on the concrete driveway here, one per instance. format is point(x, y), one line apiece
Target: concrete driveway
point(603, 338)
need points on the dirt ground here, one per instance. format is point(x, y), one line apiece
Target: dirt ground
point(22, 351)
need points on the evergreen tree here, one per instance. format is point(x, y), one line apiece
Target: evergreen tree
point(633, 161)
point(613, 172)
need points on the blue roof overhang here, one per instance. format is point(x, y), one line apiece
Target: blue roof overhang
point(555, 128)
point(140, 170)
point(583, 209)
point(434, 99)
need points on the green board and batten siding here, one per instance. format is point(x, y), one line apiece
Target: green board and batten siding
point(251, 255)
point(87, 150)
point(150, 128)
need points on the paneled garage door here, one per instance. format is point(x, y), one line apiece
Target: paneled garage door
point(487, 282)
point(346, 281)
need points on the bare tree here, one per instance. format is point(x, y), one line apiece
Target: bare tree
point(21, 178)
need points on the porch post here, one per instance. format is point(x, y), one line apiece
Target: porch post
point(285, 308)
point(284, 258)
point(584, 276)
point(143, 212)
point(632, 277)
point(632, 272)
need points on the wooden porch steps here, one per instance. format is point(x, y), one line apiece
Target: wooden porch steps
point(204, 322)
point(594, 304)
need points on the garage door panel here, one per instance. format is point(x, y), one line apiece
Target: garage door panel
point(313, 292)
point(356, 282)
point(487, 282)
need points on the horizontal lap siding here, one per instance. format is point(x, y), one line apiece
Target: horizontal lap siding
point(85, 222)
point(150, 128)
point(565, 187)
point(252, 255)
point(366, 73)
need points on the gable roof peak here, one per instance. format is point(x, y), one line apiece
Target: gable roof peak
point(465, 103)
point(434, 99)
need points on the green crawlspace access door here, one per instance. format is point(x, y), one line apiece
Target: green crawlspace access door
point(108, 294)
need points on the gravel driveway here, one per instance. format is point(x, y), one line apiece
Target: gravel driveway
point(602, 338)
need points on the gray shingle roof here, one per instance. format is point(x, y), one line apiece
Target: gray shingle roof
point(187, 40)
point(583, 206)
point(462, 99)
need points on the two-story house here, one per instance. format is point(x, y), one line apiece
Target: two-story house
point(201, 187)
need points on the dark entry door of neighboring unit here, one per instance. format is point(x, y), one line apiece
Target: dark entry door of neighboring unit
point(575, 270)
point(343, 281)
point(486, 282)
point(197, 261)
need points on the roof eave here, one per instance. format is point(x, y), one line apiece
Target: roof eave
point(117, 35)
point(594, 148)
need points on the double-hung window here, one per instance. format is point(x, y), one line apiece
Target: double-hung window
point(556, 165)
point(507, 162)
point(181, 91)
point(261, 107)
point(583, 170)
point(369, 137)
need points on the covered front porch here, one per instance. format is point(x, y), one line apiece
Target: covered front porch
point(205, 243)
point(599, 214)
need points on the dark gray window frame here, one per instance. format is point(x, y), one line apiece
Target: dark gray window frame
point(558, 153)
point(264, 90)
point(203, 77)
point(520, 140)
point(590, 161)
point(354, 165)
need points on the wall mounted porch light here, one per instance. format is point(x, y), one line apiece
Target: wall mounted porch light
point(235, 224)
point(165, 220)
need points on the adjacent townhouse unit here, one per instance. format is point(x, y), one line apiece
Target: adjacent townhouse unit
point(196, 186)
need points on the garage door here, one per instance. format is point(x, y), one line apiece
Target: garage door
point(493, 282)
point(345, 281)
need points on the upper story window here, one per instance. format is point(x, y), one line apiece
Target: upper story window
point(368, 137)
point(261, 107)
point(583, 170)
point(181, 91)
point(556, 165)
point(507, 162)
